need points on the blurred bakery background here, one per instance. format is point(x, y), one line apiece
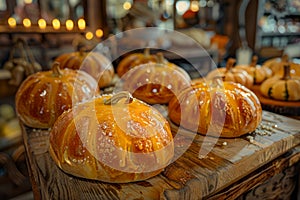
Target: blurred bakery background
point(38, 31)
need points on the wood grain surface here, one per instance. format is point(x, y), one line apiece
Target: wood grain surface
point(207, 166)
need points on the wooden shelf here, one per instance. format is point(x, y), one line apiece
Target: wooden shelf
point(277, 34)
point(35, 29)
point(288, 37)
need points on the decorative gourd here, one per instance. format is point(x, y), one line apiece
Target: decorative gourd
point(258, 72)
point(94, 63)
point(154, 83)
point(277, 66)
point(285, 88)
point(112, 138)
point(43, 96)
point(134, 59)
point(231, 73)
point(216, 108)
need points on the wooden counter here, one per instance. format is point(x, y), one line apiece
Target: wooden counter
point(225, 170)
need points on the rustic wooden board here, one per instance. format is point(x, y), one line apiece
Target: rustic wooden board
point(275, 180)
point(204, 169)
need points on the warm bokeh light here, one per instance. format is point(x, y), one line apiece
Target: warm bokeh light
point(194, 6)
point(42, 23)
point(56, 24)
point(99, 33)
point(81, 24)
point(182, 6)
point(28, 1)
point(12, 22)
point(69, 25)
point(26, 23)
point(89, 35)
point(127, 5)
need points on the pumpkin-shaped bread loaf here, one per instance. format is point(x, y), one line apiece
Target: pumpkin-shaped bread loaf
point(135, 59)
point(285, 88)
point(112, 138)
point(277, 66)
point(230, 73)
point(155, 83)
point(43, 96)
point(217, 108)
point(258, 72)
point(94, 63)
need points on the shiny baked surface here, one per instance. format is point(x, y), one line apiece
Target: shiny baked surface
point(224, 109)
point(154, 83)
point(43, 96)
point(122, 142)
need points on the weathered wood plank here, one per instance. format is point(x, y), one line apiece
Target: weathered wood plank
point(206, 166)
point(32, 167)
point(244, 155)
point(255, 179)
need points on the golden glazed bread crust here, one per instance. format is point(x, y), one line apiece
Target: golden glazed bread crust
point(133, 60)
point(258, 72)
point(101, 142)
point(155, 83)
point(235, 75)
point(229, 112)
point(95, 64)
point(276, 65)
point(42, 97)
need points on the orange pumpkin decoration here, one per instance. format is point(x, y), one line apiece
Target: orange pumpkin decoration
point(214, 108)
point(231, 73)
point(113, 138)
point(133, 60)
point(258, 72)
point(220, 40)
point(43, 96)
point(154, 83)
point(94, 63)
point(277, 66)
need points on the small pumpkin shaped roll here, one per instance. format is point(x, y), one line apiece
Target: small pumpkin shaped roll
point(216, 108)
point(230, 73)
point(94, 63)
point(43, 96)
point(258, 72)
point(277, 66)
point(154, 82)
point(112, 138)
point(197, 80)
point(135, 59)
point(285, 88)
point(161, 59)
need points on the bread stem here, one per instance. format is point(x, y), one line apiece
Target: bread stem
point(254, 61)
point(56, 69)
point(229, 64)
point(286, 72)
point(117, 97)
point(146, 52)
